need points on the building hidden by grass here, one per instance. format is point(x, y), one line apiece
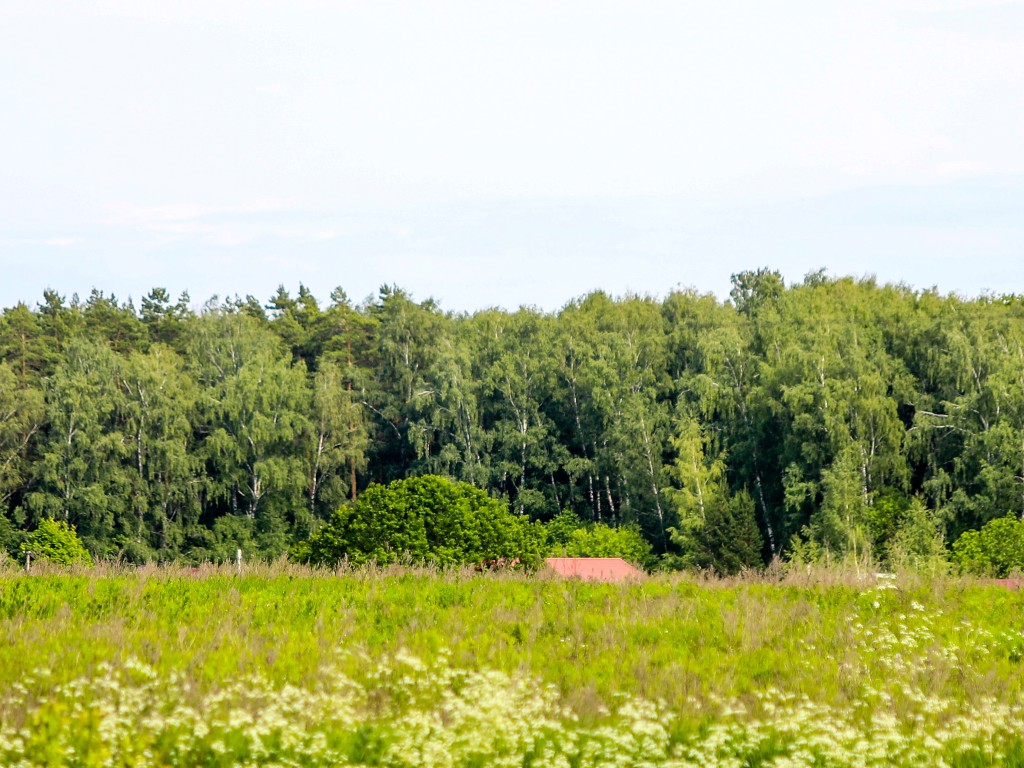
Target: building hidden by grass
point(609, 569)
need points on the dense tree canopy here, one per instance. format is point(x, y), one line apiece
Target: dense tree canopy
point(834, 415)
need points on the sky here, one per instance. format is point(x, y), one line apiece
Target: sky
point(507, 153)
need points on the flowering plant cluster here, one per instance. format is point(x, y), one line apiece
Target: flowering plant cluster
point(406, 712)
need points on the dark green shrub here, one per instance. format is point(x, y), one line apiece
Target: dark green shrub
point(425, 519)
point(726, 541)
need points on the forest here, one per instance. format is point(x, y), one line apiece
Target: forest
point(831, 417)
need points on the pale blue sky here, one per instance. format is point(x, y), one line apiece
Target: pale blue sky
point(507, 153)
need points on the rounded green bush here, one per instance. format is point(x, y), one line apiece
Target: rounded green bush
point(426, 519)
point(55, 541)
point(995, 550)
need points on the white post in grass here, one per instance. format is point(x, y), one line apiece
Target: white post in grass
point(238, 560)
point(28, 562)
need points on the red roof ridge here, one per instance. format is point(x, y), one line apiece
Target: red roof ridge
point(593, 568)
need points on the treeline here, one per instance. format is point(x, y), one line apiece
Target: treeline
point(832, 416)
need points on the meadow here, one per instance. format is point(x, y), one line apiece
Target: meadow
point(287, 666)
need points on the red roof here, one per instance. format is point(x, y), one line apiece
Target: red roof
point(593, 568)
point(1008, 583)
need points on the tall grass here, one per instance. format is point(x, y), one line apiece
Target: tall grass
point(715, 669)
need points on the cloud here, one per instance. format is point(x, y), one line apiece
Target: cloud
point(306, 233)
point(62, 242)
point(171, 217)
point(223, 225)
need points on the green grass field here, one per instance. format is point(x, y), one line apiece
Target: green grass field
point(283, 666)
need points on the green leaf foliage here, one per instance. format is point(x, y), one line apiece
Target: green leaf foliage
point(569, 536)
point(918, 541)
point(426, 519)
point(727, 541)
point(54, 541)
point(834, 416)
point(995, 550)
